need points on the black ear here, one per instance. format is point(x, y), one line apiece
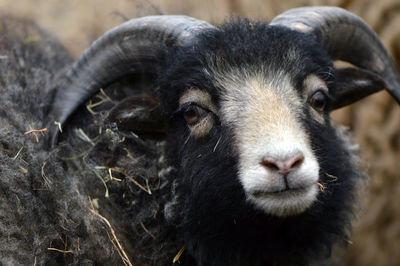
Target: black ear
point(353, 84)
point(141, 114)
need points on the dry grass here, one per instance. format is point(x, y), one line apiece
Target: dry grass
point(114, 239)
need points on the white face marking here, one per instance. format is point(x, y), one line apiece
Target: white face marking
point(198, 96)
point(268, 136)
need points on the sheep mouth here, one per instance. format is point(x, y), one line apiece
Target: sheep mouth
point(281, 193)
point(285, 202)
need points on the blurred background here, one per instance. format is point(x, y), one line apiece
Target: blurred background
point(375, 122)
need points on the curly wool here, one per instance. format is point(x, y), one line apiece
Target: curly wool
point(49, 201)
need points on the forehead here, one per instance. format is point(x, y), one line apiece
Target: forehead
point(256, 47)
point(253, 45)
point(257, 95)
point(241, 50)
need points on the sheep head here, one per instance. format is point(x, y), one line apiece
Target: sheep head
point(245, 108)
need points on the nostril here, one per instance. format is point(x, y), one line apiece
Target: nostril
point(270, 163)
point(283, 165)
point(295, 161)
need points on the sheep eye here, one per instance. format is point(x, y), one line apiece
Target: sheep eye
point(318, 100)
point(193, 114)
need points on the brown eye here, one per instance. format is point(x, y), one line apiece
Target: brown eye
point(318, 100)
point(193, 114)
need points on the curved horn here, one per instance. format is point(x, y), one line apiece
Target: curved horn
point(347, 37)
point(132, 47)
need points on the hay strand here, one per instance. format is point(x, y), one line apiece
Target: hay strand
point(59, 250)
point(147, 230)
point(176, 258)
point(321, 187)
point(99, 176)
point(117, 244)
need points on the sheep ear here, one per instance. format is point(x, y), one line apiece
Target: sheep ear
point(141, 114)
point(353, 84)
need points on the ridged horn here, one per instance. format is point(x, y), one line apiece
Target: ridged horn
point(345, 37)
point(132, 47)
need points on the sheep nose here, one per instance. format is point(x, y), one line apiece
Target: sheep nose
point(283, 166)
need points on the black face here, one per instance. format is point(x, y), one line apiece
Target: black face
point(220, 210)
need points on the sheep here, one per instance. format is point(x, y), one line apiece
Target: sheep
point(237, 159)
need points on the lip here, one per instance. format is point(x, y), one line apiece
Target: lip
point(281, 193)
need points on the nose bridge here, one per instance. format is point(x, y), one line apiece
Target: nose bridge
point(263, 114)
point(271, 117)
point(269, 132)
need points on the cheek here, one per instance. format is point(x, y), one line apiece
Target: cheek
point(208, 165)
point(211, 186)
